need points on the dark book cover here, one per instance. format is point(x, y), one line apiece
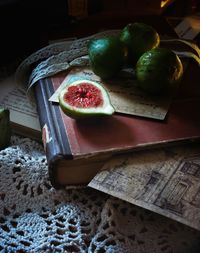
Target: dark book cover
point(67, 139)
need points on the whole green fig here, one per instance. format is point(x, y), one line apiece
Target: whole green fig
point(138, 38)
point(158, 70)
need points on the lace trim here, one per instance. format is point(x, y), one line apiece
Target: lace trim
point(54, 58)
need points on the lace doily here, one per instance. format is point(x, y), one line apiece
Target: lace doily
point(36, 218)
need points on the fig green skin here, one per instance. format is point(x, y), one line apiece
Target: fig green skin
point(138, 38)
point(82, 116)
point(106, 56)
point(5, 128)
point(158, 70)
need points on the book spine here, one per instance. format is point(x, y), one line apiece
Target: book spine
point(54, 136)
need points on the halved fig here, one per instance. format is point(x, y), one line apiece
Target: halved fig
point(85, 98)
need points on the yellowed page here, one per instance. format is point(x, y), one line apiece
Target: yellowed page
point(165, 181)
point(22, 110)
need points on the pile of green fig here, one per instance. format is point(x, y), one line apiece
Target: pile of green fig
point(137, 46)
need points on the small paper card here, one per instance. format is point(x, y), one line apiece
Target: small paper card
point(189, 28)
point(125, 96)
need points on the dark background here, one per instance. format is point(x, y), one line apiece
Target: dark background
point(26, 25)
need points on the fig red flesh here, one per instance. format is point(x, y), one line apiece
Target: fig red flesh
point(84, 95)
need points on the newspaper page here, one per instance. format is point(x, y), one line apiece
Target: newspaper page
point(125, 96)
point(22, 108)
point(165, 181)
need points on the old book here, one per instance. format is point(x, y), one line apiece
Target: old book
point(76, 150)
point(23, 113)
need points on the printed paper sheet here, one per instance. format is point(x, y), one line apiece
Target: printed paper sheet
point(165, 181)
point(22, 109)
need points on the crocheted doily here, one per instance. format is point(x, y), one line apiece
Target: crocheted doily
point(36, 218)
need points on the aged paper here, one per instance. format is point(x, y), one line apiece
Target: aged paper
point(125, 96)
point(165, 181)
point(22, 111)
point(189, 27)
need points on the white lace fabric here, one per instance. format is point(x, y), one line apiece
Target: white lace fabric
point(36, 218)
point(55, 58)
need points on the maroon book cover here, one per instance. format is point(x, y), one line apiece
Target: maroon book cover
point(69, 139)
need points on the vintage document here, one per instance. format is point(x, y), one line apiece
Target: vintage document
point(125, 96)
point(165, 181)
point(23, 111)
point(189, 27)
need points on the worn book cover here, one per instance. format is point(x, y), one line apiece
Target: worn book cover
point(76, 149)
